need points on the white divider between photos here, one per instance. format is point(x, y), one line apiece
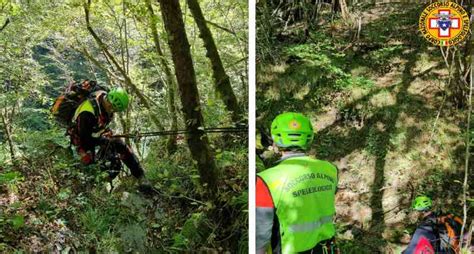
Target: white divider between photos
point(252, 92)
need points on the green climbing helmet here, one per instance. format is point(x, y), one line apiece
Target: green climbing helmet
point(422, 203)
point(119, 99)
point(292, 130)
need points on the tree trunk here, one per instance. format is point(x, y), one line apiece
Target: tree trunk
point(335, 6)
point(344, 10)
point(7, 129)
point(465, 185)
point(341, 6)
point(171, 144)
point(185, 75)
point(222, 81)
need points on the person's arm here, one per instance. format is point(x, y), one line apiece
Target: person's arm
point(85, 127)
point(264, 216)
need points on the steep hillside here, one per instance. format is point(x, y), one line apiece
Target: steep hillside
point(381, 114)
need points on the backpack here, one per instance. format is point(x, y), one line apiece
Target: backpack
point(73, 95)
point(448, 228)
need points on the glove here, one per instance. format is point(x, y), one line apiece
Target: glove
point(86, 157)
point(107, 133)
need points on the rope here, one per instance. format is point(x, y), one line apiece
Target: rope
point(176, 132)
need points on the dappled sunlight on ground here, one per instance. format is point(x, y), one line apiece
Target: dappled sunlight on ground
point(325, 119)
point(356, 174)
point(382, 99)
point(392, 137)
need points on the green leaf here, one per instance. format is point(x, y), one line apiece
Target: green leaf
point(15, 9)
point(10, 177)
point(64, 194)
point(17, 221)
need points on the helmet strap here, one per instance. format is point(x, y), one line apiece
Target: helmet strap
point(106, 104)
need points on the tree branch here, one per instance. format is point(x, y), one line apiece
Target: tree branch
point(221, 27)
point(5, 24)
point(128, 80)
point(218, 26)
point(465, 185)
point(96, 62)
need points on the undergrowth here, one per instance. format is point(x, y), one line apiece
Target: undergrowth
point(52, 203)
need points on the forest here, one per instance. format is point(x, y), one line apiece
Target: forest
point(389, 109)
point(184, 67)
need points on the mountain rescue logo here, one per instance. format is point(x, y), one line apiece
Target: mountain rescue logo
point(294, 125)
point(444, 23)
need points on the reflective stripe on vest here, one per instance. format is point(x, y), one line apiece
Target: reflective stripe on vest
point(310, 226)
point(303, 192)
point(87, 106)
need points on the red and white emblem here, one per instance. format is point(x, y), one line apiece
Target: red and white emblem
point(444, 31)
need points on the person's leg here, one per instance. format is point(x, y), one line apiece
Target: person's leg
point(127, 156)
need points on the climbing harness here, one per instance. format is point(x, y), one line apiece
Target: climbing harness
point(109, 161)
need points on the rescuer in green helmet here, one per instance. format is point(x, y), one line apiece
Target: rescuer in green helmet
point(424, 237)
point(295, 199)
point(90, 129)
